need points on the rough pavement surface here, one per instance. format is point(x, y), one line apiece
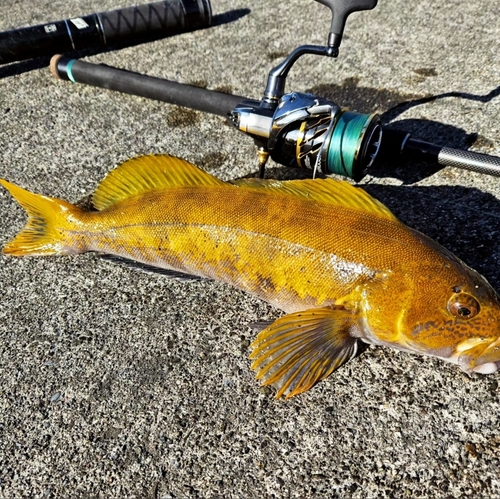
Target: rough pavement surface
point(115, 383)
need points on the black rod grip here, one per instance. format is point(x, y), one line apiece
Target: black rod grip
point(119, 27)
point(180, 94)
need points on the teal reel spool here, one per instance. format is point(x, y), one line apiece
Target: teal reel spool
point(353, 146)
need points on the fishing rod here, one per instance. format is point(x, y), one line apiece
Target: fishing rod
point(119, 27)
point(294, 129)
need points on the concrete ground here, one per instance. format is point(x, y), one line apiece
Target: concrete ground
point(115, 383)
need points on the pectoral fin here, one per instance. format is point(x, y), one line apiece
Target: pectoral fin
point(300, 349)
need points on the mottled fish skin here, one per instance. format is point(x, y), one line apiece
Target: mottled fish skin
point(334, 259)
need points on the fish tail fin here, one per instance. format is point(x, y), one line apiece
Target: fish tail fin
point(44, 233)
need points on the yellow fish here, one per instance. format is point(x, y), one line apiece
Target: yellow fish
point(337, 261)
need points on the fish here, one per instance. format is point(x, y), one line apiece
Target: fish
point(335, 260)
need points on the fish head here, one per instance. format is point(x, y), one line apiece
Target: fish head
point(454, 314)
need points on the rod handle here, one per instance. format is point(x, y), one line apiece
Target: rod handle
point(180, 94)
point(119, 27)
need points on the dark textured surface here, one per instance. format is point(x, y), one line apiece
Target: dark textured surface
point(116, 383)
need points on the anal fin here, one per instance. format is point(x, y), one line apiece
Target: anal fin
point(144, 267)
point(300, 349)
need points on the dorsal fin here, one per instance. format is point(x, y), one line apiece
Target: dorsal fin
point(146, 173)
point(327, 190)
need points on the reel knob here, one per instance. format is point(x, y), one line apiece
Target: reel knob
point(340, 11)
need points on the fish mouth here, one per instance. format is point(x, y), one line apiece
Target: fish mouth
point(479, 355)
point(488, 368)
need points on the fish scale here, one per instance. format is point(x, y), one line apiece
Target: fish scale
point(212, 242)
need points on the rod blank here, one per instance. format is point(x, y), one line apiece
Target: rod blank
point(469, 160)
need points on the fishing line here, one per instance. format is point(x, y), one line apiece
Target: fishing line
point(345, 143)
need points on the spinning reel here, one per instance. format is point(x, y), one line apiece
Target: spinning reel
point(298, 129)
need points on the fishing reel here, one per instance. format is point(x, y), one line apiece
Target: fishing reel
point(298, 129)
point(312, 132)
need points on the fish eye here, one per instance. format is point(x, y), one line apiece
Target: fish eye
point(463, 306)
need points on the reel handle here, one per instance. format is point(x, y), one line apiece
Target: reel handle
point(341, 9)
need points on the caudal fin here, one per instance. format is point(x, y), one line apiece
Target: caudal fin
point(45, 232)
